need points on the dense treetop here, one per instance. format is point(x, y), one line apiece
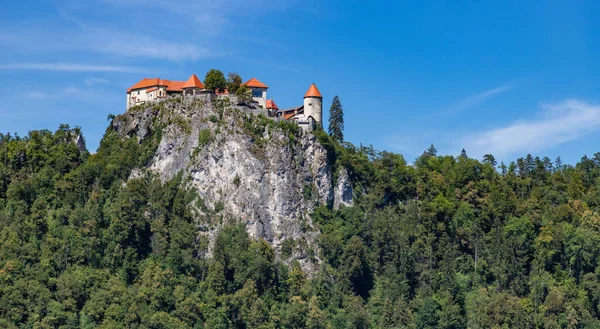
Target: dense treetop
point(449, 242)
point(215, 80)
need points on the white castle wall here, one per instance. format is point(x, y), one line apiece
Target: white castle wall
point(259, 95)
point(139, 96)
point(313, 106)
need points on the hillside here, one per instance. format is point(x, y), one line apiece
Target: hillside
point(206, 215)
point(243, 167)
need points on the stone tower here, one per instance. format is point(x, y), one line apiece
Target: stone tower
point(313, 104)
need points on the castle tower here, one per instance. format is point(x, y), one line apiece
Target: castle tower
point(313, 104)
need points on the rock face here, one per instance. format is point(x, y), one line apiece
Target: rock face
point(270, 175)
point(343, 193)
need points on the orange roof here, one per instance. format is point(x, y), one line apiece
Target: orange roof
point(271, 104)
point(149, 90)
point(155, 82)
point(172, 85)
point(313, 92)
point(254, 83)
point(193, 82)
point(145, 83)
point(288, 116)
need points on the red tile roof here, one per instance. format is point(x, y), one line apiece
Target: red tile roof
point(254, 83)
point(149, 90)
point(145, 83)
point(155, 82)
point(271, 104)
point(288, 116)
point(193, 82)
point(313, 92)
point(173, 85)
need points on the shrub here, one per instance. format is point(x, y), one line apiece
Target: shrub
point(219, 206)
point(287, 247)
point(243, 94)
point(204, 137)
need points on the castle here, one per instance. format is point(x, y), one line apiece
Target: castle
point(307, 116)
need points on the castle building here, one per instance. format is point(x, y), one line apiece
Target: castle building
point(193, 87)
point(307, 116)
point(271, 107)
point(153, 89)
point(259, 91)
point(313, 103)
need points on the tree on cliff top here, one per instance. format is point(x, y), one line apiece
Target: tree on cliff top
point(234, 82)
point(336, 120)
point(215, 81)
point(243, 94)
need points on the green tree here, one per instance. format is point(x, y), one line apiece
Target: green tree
point(234, 81)
point(336, 120)
point(431, 151)
point(446, 243)
point(295, 314)
point(316, 318)
point(215, 81)
point(427, 315)
point(489, 159)
point(355, 267)
point(243, 94)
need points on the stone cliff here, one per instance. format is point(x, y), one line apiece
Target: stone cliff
point(245, 167)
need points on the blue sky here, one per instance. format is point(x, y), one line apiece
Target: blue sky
point(501, 77)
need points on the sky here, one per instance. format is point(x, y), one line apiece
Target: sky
point(501, 77)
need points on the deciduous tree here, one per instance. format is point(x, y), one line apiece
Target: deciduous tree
point(215, 81)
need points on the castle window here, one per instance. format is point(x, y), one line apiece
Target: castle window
point(309, 104)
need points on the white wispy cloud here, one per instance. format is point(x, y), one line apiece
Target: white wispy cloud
point(95, 81)
point(67, 67)
point(558, 123)
point(206, 16)
point(35, 95)
point(103, 42)
point(173, 30)
point(132, 45)
point(81, 93)
point(479, 98)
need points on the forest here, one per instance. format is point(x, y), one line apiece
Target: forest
point(442, 242)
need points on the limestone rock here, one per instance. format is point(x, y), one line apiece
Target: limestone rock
point(243, 167)
point(343, 192)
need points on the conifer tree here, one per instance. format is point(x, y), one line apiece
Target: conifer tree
point(489, 159)
point(548, 164)
point(558, 164)
point(503, 169)
point(431, 151)
point(336, 120)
